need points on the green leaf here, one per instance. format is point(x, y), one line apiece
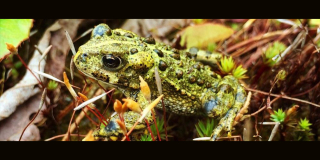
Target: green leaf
point(205, 130)
point(272, 54)
point(278, 116)
point(239, 72)
point(52, 85)
point(202, 35)
point(146, 137)
point(281, 75)
point(227, 64)
point(304, 124)
point(160, 125)
point(199, 131)
point(13, 31)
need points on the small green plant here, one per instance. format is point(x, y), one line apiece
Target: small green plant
point(278, 116)
point(281, 75)
point(205, 130)
point(160, 125)
point(304, 124)
point(272, 54)
point(303, 131)
point(228, 67)
point(52, 85)
point(146, 137)
point(239, 72)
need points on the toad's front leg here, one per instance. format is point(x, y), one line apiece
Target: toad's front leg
point(226, 103)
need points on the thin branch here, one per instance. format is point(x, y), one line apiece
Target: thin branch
point(43, 97)
point(274, 131)
point(260, 37)
point(282, 96)
point(62, 135)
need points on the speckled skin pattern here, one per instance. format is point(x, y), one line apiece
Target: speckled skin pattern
point(119, 56)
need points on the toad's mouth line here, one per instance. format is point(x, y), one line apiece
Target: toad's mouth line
point(117, 86)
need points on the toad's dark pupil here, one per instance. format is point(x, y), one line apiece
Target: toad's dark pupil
point(111, 61)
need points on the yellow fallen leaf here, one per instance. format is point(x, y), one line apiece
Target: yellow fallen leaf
point(203, 34)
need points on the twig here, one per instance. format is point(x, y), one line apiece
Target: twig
point(67, 136)
point(43, 55)
point(148, 126)
point(260, 37)
point(264, 107)
point(95, 123)
point(268, 123)
point(282, 96)
point(25, 65)
point(307, 91)
point(83, 34)
point(132, 128)
point(105, 110)
point(155, 123)
point(241, 51)
point(164, 118)
point(159, 86)
point(274, 131)
point(58, 136)
point(73, 50)
point(208, 138)
point(315, 45)
point(43, 97)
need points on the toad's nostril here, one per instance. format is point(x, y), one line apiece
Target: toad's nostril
point(84, 57)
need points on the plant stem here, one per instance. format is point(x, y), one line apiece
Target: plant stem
point(274, 131)
point(43, 97)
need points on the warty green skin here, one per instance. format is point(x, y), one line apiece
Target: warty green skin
point(189, 87)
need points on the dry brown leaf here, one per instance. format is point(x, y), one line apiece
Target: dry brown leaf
point(203, 34)
point(32, 133)
point(20, 118)
point(25, 88)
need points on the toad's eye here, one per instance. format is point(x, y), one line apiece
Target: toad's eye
point(111, 62)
